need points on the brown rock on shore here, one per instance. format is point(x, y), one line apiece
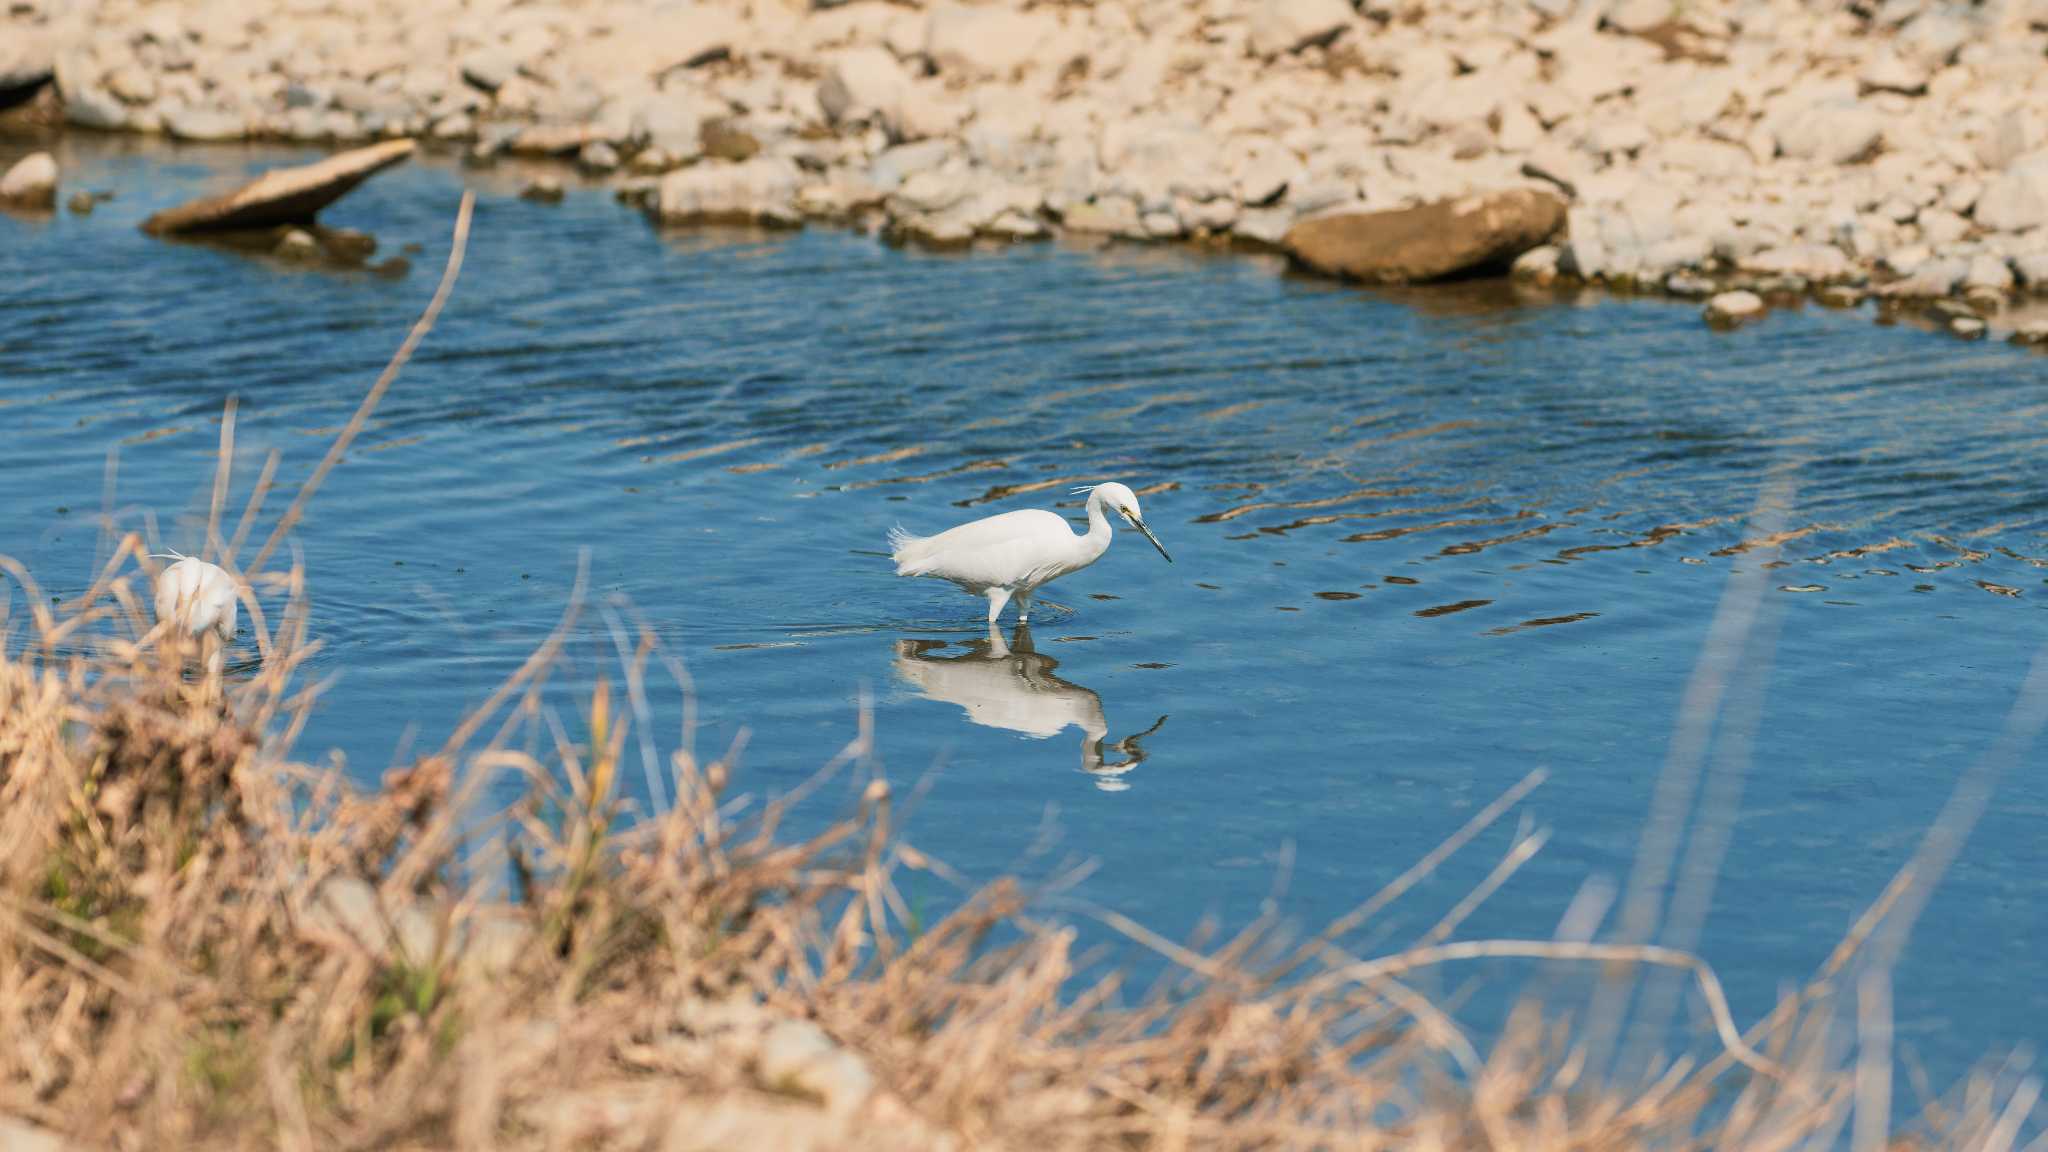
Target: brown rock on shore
point(1467, 234)
point(282, 195)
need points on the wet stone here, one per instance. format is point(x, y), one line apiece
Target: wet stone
point(1730, 309)
point(298, 246)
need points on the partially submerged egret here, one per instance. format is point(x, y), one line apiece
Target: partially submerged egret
point(1016, 553)
point(199, 599)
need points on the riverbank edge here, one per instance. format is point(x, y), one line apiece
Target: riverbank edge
point(1730, 297)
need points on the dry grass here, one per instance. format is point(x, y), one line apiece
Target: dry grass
point(205, 943)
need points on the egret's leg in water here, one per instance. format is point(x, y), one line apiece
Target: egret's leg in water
point(997, 597)
point(1023, 607)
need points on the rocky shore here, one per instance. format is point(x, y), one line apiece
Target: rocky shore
point(1889, 148)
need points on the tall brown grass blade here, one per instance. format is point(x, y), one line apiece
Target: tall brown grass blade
point(212, 546)
point(424, 325)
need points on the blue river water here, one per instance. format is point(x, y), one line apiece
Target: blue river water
point(1424, 543)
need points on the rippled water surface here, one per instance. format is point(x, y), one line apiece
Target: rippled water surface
point(1423, 543)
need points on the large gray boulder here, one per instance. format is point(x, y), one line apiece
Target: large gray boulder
point(1477, 233)
point(282, 195)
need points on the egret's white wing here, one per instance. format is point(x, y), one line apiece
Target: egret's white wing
point(1004, 551)
point(199, 596)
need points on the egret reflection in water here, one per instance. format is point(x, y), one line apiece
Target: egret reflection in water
point(1012, 686)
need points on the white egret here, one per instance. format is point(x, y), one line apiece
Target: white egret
point(199, 598)
point(1016, 553)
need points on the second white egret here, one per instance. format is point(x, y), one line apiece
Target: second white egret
point(198, 597)
point(1014, 554)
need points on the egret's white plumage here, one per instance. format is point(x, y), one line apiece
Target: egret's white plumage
point(1017, 552)
point(199, 597)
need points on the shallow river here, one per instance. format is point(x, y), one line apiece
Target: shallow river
point(1423, 544)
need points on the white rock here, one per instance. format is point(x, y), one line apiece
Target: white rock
point(31, 182)
point(1457, 102)
point(1638, 16)
point(1017, 226)
point(893, 167)
point(922, 112)
point(1538, 263)
point(1904, 260)
point(1962, 195)
point(861, 81)
point(2017, 198)
point(132, 84)
point(91, 107)
point(1267, 226)
point(1888, 72)
point(1279, 26)
point(986, 41)
point(1988, 272)
point(933, 190)
point(1519, 129)
point(2012, 135)
point(1700, 100)
point(1898, 210)
point(1678, 252)
point(1588, 67)
point(1263, 168)
point(936, 231)
point(672, 122)
point(1613, 137)
point(761, 189)
point(1110, 215)
point(204, 123)
point(1832, 132)
point(1941, 227)
point(490, 68)
point(1706, 157)
point(1931, 278)
point(1812, 261)
point(26, 61)
point(1213, 216)
point(1585, 250)
point(1731, 308)
point(1934, 37)
point(2032, 268)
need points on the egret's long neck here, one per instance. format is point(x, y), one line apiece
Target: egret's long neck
point(1096, 542)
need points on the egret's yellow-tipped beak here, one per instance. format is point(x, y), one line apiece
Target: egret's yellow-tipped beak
point(1140, 526)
